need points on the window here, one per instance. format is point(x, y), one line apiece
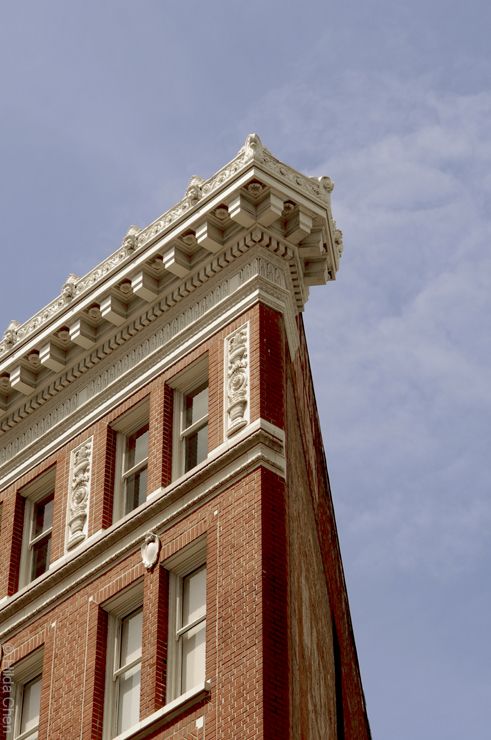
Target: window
point(194, 426)
point(127, 671)
point(124, 656)
point(191, 419)
point(134, 473)
point(190, 628)
point(27, 676)
point(27, 709)
point(38, 526)
point(187, 622)
point(131, 461)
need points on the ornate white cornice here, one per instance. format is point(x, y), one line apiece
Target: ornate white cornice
point(259, 274)
point(255, 199)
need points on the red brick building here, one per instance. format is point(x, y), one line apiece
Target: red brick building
point(170, 564)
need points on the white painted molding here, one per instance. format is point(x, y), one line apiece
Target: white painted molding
point(257, 275)
point(213, 276)
point(255, 186)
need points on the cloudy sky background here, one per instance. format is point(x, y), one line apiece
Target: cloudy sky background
point(108, 108)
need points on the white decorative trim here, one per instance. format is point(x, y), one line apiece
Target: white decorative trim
point(252, 156)
point(79, 493)
point(149, 353)
point(209, 299)
point(150, 550)
point(237, 380)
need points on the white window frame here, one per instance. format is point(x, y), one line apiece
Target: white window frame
point(34, 492)
point(185, 562)
point(126, 426)
point(24, 672)
point(185, 383)
point(118, 608)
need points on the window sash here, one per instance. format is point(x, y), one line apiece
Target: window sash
point(20, 708)
point(129, 494)
point(181, 630)
point(45, 501)
point(128, 472)
point(35, 542)
point(119, 673)
point(194, 427)
point(130, 437)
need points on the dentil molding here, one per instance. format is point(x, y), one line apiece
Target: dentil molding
point(216, 291)
point(259, 275)
point(252, 156)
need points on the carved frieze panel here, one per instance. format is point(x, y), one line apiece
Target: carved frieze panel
point(237, 380)
point(79, 493)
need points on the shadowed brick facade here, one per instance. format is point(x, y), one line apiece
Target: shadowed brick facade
point(209, 295)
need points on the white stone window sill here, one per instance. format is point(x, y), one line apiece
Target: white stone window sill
point(166, 713)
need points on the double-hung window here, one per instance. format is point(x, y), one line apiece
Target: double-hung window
point(134, 473)
point(131, 461)
point(187, 621)
point(124, 657)
point(40, 535)
point(194, 426)
point(127, 671)
point(27, 709)
point(191, 629)
point(27, 681)
point(38, 525)
point(190, 419)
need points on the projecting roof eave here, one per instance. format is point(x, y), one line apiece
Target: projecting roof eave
point(254, 190)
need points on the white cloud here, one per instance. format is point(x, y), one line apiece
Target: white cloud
point(408, 353)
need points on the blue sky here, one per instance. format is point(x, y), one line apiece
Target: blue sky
point(108, 108)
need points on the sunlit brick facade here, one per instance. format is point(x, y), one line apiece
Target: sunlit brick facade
point(170, 564)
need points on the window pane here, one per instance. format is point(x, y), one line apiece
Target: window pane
point(31, 696)
point(135, 490)
point(42, 515)
point(193, 657)
point(129, 699)
point(194, 596)
point(131, 637)
point(137, 449)
point(40, 557)
point(195, 405)
point(196, 448)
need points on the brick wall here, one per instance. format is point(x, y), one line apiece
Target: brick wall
point(313, 533)
point(277, 614)
point(245, 633)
